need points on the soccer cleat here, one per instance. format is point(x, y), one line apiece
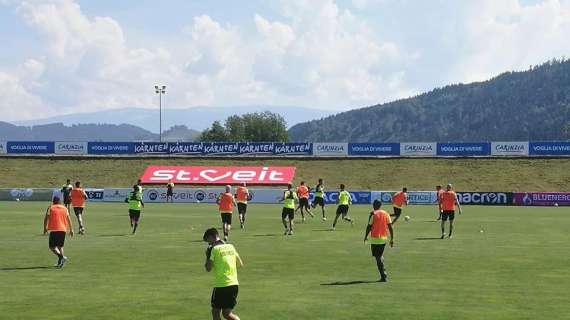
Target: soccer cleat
point(324, 218)
point(352, 223)
point(225, 238)
point(290, 232)
point(62, 262)
point(286, 232)
point(333, 228)
point(450, 237)
point(383, 280)
point(303, 220)
point(241, 226)
point(442, 235)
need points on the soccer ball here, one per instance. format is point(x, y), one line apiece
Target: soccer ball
point(407, 218)
point(556, 204)
point(17, 199)
point(197, 201)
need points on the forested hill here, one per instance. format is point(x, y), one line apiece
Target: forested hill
point(529, 105)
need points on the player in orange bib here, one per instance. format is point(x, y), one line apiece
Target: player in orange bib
point(439, 191)
point(57, 222)
point(242, 196)
point(399, 200)
point(303, 195)
point(448, 202)
point(226, 203)
point(379, 225)
point(78, 197)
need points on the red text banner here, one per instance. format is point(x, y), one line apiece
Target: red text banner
point(204, 175)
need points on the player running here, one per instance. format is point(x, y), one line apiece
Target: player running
point(169, 191)
point(448, 202)
point(58, 223)
point(319, 197)
point(439, 191)
point(343, 201)
point(379, 224)
point(303, 195)
point(399, 200)
point(135, 204)
point(78, 197)
point(66, 193)
point(223, 259)
point(226, 203)
point(242, 196)
point(288, 212)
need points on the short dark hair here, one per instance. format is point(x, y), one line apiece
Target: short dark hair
point(77, 184)
point(377, 204)
point(56, 200)
point(405, 189)
point(135, 187)
point(289, 186)
point(212, 232)
point(342, 185)
point(438, 186)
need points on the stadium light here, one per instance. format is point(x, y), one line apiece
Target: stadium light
point(160, 90)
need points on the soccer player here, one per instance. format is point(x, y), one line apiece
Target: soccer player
point(303, 195)
point(288, 212)
point(223, 259)
point(439, 191)
point(135, 204)
point(57, 222)
point(448, 202)
point(343, 201)
point(226, 203)
point(319, 197)
point(66, 192)
point(242, 195)
point(379, 224)
point(139, 187)
point(169, 191)
point(399, 200)
point(78, 197)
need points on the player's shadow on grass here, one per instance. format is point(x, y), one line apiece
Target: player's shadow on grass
point(114, 235)
point(25, 268)
point(347, 283)
point(427, 238)
point(267, 235)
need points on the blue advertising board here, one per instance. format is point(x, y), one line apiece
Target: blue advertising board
point(358, 197)
point(373, 149)
point(557, 148)
point(466, 149)
point(151, 147)
point(221, 148)
point(246, 148)
point(196, 148)
point(27, 147)
point(110, 147)
point(294, 148)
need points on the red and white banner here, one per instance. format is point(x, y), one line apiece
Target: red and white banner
point(218, 175)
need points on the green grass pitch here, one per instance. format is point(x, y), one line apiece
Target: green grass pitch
point(518, 268)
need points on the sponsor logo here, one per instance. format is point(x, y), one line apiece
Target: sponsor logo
point(294, 148)
point(510, 148)
point(186, 148)
point(219, 175)
point(253, 148)
point(70, 147)
point(491, 198)
point(94, 194)
point(221, 148)
point(418, 149)
point(21, 193)
point(386, 197)
point(151, 148)
point(200, 195)
point(331, 148)
point(153, 195)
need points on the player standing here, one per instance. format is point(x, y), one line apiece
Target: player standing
point(226, 203)
point(439, 191)
point(139, 187)
point(379, 224)
point(66, 192)
point(57, 222)
point(319, 197)
point(448, 202)
point(135, 204)
point(222, 258)
point(343, 201)
point(288, 211)
point(303, 195)
point(78, 197)
point(242, 195)
point(399, 200)
point(170, 191)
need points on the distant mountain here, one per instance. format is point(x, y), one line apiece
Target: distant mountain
point(91, 132)
point(198, 118)
point(529, 105)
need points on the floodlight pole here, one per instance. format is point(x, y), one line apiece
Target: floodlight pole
point(160, 90)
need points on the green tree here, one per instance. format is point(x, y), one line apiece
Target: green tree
point(258, 126)
point(216, 133)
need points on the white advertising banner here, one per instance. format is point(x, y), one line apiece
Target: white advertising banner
point(207, 195)
point(418, 149)
point(3, 147)
point(116, 194)
point(330, 149)
point(62, 147)
point(509, 148)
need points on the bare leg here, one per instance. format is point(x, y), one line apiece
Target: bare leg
point(450, 227)
point(335, 220)
point(442, 228)
point(229, 315)
point(216, 314)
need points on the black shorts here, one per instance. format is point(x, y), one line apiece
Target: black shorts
point(78, 210)
point(397, 211)
point(318, 201)
point(377, 249)
point(134, 214)
point(288, 212)
point(242, 207)
point(224, 297)
point(169, 193)
point(448, 215)
point(56, 239)
point(226, 217)
point(342, 209)
point(66, 200)
point(303, 203)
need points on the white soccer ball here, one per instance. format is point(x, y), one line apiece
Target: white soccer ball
point(197, 201)
point(556, 204)
point(17, 199)
point(407, 218)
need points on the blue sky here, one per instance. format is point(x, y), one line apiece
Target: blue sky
point(64, 56)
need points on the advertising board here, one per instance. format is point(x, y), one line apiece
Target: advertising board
point(208, 175)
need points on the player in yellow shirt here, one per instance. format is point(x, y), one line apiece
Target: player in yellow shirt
point(223, 259)
point(343, 201)
point(288, 212)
